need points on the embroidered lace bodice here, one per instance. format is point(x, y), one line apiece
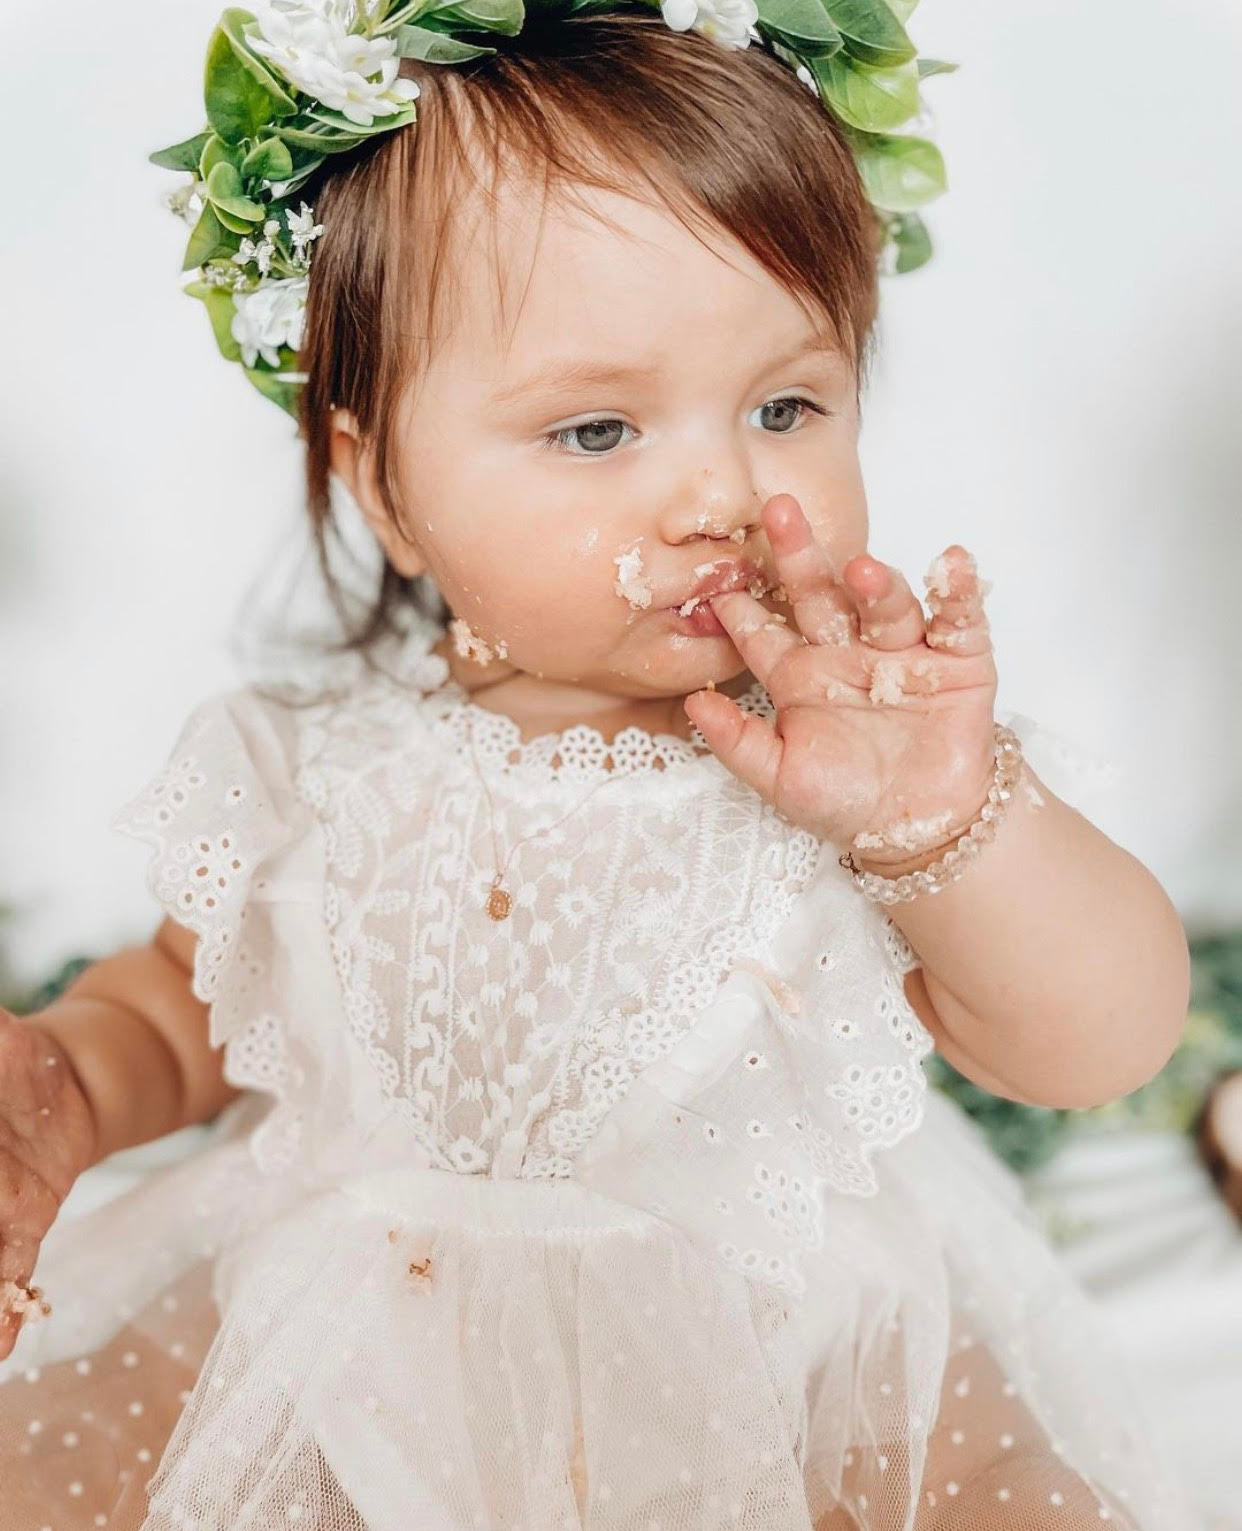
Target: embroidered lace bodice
point(642, 873)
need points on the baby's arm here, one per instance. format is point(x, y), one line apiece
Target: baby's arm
point(137, 1039)
point(1056, 969)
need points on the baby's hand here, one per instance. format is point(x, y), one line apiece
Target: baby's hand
point(47, 1135)
point(883, 724)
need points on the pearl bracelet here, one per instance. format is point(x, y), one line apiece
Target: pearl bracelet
point(893, 890)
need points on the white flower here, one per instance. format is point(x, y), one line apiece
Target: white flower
point(187, 201)
point(303, 228)
point(269, 317)
point(727, 22)
point(308, 41)
point(260, 253)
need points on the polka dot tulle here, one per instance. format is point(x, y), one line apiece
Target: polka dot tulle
point(632, 1212)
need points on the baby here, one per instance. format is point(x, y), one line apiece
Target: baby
point(594, 1181)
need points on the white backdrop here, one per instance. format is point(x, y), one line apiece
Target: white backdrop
point(1059, 391)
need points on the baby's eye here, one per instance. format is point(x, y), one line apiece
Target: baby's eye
point(783, 414)
point(597, 437)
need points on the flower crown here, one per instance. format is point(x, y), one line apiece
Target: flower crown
point(312, 78)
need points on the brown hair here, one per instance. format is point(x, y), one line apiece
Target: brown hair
point(727, 135)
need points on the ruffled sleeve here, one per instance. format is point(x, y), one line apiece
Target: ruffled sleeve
point(215, 815)
point(1077, 775)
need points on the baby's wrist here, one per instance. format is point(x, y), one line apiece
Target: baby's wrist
point(894, 878)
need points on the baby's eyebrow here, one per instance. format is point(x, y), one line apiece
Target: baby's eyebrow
point(577, 372)
point(573, 372)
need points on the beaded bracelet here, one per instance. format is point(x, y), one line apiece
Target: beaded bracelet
point(892, 890)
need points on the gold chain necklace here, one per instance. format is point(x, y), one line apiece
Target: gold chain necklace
point(499, 902)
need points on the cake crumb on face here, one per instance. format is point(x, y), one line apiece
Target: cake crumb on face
point(836, 691)
point(631, 583)
point(470, 646)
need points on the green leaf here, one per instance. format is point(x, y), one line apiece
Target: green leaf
point(903, 9)
point(208, 238)
point(217, 152)
point(338, 123)
point(271, 387)
point(802, 22)
point(931, 66)
point(240, 26)
point(404, 15)
point(900, 173)
point(871, 31)
point(435, 47)
point(237, 225)
point(182, 156)
point(505, 16)
point(220, 310)
point(317, 140)
point(269, 160)
point(302, 171)
point(913, 243)
point(240, 96)
point(872, 99)
point(224, 188)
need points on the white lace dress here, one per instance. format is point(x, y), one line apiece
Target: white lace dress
point(632, 1211)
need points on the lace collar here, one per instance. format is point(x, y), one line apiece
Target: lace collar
point(579, 753)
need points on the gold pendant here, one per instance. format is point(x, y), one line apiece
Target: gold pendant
point(498, 901)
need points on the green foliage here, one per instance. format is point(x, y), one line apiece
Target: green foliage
point(901, 173)
point(871, 31)
point(803, 24)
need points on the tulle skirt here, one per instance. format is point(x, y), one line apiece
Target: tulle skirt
point(412, 1350)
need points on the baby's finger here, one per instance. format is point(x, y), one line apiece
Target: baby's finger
point(890, 617)
point(823, 607)
point(955, 596)
point(761, 637)
point(17, 1258)
point(748, 746)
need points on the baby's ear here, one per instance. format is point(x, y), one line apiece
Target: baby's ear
point(353, 462)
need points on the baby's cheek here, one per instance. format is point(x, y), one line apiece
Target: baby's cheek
point(549, 615)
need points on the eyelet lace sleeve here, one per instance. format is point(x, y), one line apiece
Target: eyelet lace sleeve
point(217, 811)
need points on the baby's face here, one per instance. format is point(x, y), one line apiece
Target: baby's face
point(572, 481)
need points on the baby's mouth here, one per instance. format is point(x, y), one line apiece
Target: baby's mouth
point(728, 574)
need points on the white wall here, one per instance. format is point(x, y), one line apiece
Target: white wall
point(1058, 392)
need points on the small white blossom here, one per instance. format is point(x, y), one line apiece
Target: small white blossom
point(269, 317)
point(309, 42)
point(260, 253)
point(187, 201)
point(303, 228)
point(727, 22)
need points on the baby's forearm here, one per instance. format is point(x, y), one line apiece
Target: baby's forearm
point(137, 1039)
point(1057, 961)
